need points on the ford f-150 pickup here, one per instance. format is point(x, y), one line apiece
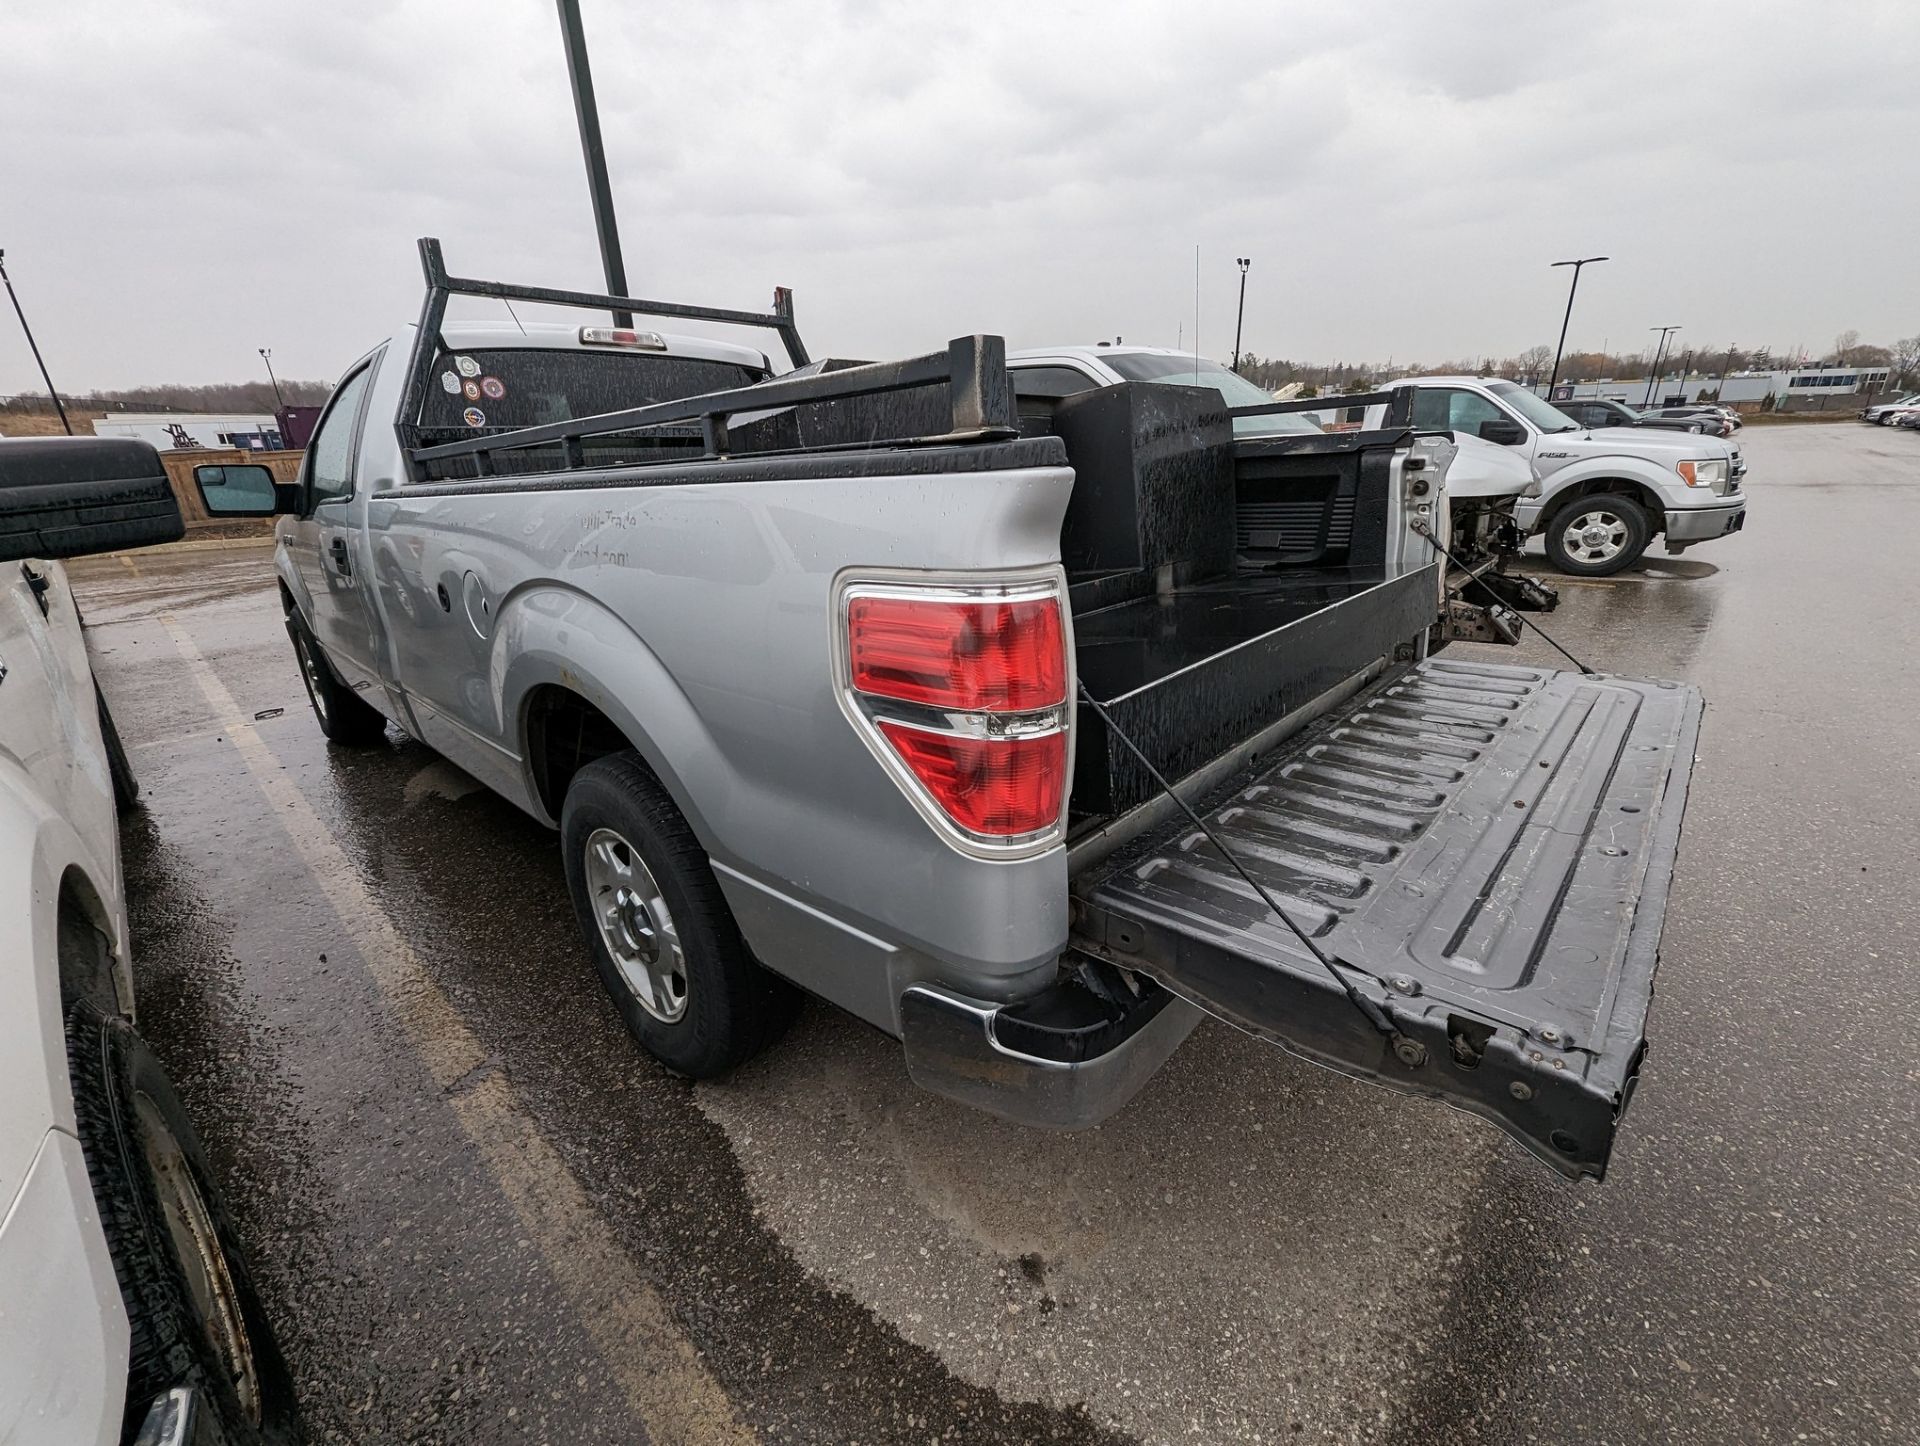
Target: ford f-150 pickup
point(1010, 741)
point(1604, 491)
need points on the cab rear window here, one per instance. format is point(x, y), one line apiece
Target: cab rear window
point(478, 392)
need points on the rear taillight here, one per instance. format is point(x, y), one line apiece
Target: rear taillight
point(964, 695)
point(998, 787)
point(1002, 657)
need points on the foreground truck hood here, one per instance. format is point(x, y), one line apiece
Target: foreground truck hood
point(1485, 851)
point(1664, 446)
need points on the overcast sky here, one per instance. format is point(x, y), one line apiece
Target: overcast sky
point(182, 181)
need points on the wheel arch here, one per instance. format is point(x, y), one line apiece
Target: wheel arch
point(1613, 484)
point(90, 967)
point(581, 683)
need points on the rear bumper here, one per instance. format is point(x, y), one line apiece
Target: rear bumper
point(959, 1047)
point(1703, 524)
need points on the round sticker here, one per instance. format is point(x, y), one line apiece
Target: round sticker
point(450, 382)
point(493, 387)
point(467, 365)
point(474, 417)
point(472, 390)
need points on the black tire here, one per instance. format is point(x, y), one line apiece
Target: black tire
point(129, 1118)
point(730, 1007)
point(344, 716)
point(126, 788)
point(1624, 519)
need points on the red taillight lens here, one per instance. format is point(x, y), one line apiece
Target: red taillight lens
point(1001, 787)
point(995, 656)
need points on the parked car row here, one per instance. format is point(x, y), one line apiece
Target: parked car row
point(1895, 411)
point(1701, 419)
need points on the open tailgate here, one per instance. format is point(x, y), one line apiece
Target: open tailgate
point(1486, 849)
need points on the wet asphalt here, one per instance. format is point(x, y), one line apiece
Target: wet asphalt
point(478, 1215)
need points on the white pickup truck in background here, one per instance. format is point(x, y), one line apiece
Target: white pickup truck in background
point(1485, 483)
point(1605, 492)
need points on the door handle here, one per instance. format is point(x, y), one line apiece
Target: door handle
point(341, 562)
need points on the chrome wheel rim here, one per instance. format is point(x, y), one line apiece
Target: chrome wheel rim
point(310, 675)
point(203, 1264)
point(636, 926)
point(1595, 536)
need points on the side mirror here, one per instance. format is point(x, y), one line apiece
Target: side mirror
point(71, 496)
point(244, 490)
point(1500, 429)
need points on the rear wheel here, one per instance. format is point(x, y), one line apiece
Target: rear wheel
point(663, 940)
point(194, 1318)
point(345, 717)
point(1598, 536)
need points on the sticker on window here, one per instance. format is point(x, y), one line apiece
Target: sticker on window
point(450, 381)
point(471, 390)
point(494, 388)
point(467, 365)
point(474, 417)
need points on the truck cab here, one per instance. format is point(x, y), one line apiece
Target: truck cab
point(1605, 492)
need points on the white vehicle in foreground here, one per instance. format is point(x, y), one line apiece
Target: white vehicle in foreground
point(126, 1311)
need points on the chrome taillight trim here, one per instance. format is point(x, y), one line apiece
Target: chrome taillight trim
point(865, 712)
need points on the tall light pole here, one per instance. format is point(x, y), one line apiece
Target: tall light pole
point(33, 346)
point(1243, 262)
point(1653, 372)
point(587, 113)
point(1576, 265)
point(266, 355)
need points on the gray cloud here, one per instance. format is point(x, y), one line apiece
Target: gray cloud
point(184, 180)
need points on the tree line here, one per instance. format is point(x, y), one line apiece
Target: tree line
point(1902, 359)
point(252, 398)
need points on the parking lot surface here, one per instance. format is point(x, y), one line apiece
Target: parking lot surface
point(480, 1215)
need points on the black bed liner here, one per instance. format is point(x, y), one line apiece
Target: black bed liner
point(1487, 849)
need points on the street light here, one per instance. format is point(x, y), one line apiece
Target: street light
point(266, 355)
point(33, 346)
point(1576, 265)
point(1659, 351)
point(1243, 262)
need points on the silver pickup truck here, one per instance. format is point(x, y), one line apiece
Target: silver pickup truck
point(1007, 740)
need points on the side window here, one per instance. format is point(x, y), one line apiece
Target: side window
point(1049, 383)
point(1448, 409)
point(330, 453)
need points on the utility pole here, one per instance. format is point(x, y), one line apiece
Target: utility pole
point(1653, 372)
point(1725, 372)
point(266, 355)
point(33, 346)
point(1244, 262)
point(587, 113)
point(1576, 265)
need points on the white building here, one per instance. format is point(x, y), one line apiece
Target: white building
point(168, 430)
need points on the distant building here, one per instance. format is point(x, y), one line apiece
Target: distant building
point(180, 430)
point(1799, 384)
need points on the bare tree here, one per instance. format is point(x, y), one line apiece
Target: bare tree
point(1843, 344)
point(1906, 358)
point(1535, 360)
